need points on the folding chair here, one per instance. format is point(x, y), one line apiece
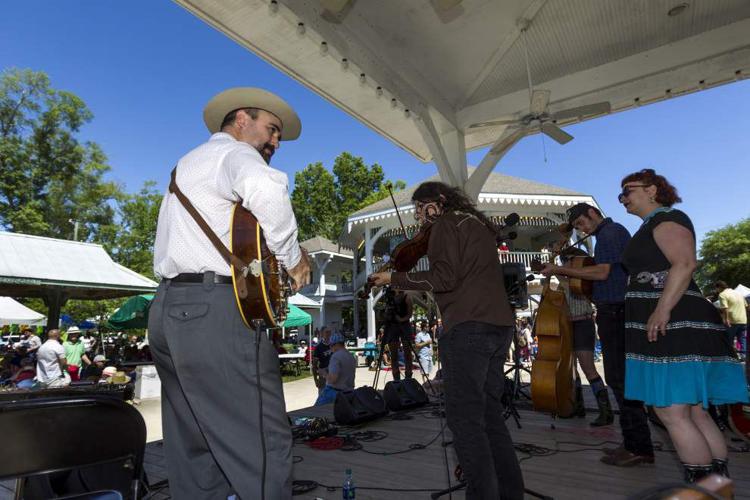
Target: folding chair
point(99, 441)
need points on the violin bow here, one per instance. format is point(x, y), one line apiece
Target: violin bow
point(389, 186)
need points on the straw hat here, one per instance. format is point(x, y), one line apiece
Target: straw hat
point(225, 102)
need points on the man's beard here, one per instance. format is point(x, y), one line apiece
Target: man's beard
point(266, 152)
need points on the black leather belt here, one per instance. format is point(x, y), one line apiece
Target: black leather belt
point(200, 277)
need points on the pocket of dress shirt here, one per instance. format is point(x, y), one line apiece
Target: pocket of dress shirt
point(187, 312)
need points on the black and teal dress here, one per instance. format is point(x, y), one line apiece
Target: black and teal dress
point(694, 362)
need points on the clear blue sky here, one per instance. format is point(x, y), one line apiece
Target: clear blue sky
point(147, 67)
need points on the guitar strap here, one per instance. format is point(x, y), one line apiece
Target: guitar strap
point(231, 259)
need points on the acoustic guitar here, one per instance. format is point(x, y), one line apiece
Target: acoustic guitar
point(578, 286)
point(261, 287)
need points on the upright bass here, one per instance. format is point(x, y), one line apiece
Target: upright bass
point(553, 370)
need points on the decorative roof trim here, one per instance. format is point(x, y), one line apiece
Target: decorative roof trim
point(511, 199)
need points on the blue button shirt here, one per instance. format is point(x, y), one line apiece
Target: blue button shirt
point(611, 239)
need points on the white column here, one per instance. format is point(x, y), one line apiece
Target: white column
point(321, 262)
point(370, 240)
point(355, 305)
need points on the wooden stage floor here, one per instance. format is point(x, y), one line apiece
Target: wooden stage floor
point(560, 462)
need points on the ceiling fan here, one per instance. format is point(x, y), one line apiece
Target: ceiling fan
point(539, 116)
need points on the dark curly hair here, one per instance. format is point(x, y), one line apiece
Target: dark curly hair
point(666, 193)
point(454, 199)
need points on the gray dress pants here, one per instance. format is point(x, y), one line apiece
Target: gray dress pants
point(211, 401)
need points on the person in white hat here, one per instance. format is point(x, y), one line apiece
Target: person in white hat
point(235, 440)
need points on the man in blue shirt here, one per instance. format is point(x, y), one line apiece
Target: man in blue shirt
point(609, 284)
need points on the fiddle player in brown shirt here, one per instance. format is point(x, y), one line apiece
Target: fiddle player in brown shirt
point(466, 280)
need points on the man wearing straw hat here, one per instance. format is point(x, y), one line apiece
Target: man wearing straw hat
point(235, 440)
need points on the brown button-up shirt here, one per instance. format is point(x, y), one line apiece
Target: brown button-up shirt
point(465, 274)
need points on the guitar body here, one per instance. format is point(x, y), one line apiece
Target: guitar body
point(580, 286)
point(552, 372)
point(262, 292)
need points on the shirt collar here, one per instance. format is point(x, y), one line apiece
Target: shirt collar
point(221, 136)
point(603, 223)
point(655, 211)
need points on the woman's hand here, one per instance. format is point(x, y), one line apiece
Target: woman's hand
point(657, 323)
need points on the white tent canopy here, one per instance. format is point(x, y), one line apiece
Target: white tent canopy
point(303, 302)
point(14, 313)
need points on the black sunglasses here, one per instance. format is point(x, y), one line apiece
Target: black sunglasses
point(626, 190)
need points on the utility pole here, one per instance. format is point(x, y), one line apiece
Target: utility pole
point(75, 229)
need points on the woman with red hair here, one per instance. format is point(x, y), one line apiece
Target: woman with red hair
point(678, 358)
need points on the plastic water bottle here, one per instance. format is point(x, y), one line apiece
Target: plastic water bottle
point(349, 488)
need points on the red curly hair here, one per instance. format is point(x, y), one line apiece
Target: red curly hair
point(666, 194)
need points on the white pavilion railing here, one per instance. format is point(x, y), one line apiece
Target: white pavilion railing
point(522, 257)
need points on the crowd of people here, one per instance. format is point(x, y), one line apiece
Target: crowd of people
point(70, 356)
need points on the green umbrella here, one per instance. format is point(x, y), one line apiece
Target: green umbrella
point(132, 314)
point(296, 317)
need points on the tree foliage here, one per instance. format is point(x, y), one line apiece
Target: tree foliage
point(131, 241)
point(323, 200)
point(49, 178)
point(725, 255)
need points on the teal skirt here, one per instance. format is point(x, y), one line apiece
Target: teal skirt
point(693, 363)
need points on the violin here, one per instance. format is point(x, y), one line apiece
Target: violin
point(404, 257)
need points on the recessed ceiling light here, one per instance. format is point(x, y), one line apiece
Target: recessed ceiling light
point(678, 9)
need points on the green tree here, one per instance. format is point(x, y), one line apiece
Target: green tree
point(725, 255)
point(314, 201)
point(131, 242)
point(323, 200)
point(49, 178)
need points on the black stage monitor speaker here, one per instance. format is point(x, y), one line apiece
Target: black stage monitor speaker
point(514, 276)
point(357, 406)
point(404, 394)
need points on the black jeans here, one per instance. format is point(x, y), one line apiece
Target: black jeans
point(472, 355)
point(610, 320)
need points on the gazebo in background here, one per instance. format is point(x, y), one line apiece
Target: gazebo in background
point(60, 270)
point(374, 231)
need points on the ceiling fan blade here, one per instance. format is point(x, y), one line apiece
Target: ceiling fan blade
point(493, 123)
point(539, 101)
point(556, 133)
point(596, 108)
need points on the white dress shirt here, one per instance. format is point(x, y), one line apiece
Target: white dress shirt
point(214, 176)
